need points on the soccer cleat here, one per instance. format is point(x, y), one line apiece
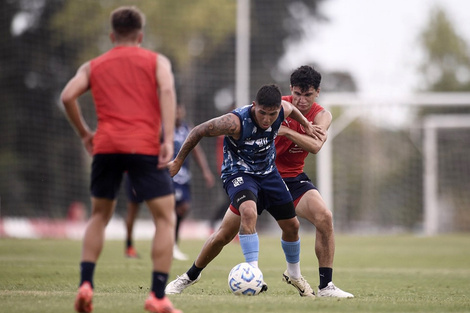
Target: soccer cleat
point(155, 305)
point(264, 287)
point(178, 255)
point(131, 253)
point(84, 299)
point(332, 291)
point(180, 283)
point(300, 284)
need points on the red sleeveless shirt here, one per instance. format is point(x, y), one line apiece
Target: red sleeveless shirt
point(290, 158)
point(124, 88)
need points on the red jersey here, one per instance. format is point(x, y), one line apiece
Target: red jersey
point(124, 87)
point(290, 158)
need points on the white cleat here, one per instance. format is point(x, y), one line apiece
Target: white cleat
point(332, 291)
point(178, 255)
point(302, 286)
point(180, 283)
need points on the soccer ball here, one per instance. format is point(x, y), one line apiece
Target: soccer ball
point(245, 279)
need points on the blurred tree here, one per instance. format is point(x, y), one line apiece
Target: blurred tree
point(446, 68)
point(42, 164)
point(446, 65)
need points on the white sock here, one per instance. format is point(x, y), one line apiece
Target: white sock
point(294, 270)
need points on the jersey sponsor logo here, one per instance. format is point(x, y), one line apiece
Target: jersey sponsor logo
point(259, 142)
point(296, 149)
point(237, 181)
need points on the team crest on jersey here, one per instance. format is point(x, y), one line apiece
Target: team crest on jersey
point(237, 181)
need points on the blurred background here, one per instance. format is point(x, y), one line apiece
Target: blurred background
point(396, 76)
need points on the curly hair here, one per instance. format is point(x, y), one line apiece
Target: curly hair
point(305, 77)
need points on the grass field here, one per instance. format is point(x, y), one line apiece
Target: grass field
point(386, 274)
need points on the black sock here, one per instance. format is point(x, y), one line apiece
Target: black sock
point(158, 284)
point(194, 271)
point(129, 243)
point(87, 270)
point(326, 275)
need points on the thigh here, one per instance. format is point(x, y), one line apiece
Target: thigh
point(273, 190)
point(298, 186)
point(106, 175)
point(312, 207)
point(147, 180)
point(240, 188)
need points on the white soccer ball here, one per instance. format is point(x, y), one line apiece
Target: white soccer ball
point(245, 279)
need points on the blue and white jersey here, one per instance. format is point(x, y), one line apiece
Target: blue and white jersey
point(254, 152)
point(184, 174)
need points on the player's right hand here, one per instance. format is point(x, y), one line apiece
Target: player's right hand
point(173, 167)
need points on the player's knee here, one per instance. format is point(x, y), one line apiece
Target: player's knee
point(290, 227)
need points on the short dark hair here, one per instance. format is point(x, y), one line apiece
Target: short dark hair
point(127, 20)
point(305, 77)
point(269, 96)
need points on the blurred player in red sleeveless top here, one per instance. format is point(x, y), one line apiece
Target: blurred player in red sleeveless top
point(133, 92)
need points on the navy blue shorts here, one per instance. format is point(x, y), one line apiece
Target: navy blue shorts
point(130, 192)
point(147, 181)
point(182, 193)
point(298, 186)
point(269, 191)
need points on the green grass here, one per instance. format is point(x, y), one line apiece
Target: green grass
point(386, 274)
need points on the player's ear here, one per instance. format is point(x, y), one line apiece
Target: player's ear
point(112, 37)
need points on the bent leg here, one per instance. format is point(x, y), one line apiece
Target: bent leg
point(313, 208)
point(219, 239)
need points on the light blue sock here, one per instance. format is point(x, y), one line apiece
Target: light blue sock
point(250, 247)
point(292, 253)
point(291, 250)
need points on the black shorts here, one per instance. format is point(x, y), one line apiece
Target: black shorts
point(298, 186)
point(147, 181)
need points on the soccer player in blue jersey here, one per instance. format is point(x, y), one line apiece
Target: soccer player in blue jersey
point(248, 171)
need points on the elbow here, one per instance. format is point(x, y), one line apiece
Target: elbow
point(66, 98)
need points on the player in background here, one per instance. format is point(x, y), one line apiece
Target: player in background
point(292, 147)
point(249, 173)
point(133, 92)
point(181, 182)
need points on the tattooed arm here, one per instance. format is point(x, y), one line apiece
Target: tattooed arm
point(228, 124)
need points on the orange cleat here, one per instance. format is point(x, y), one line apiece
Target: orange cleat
point(84, 299)
point(131, 253)
point(155, 305)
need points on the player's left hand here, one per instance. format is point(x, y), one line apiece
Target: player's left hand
point(166, 153)
point(315, 131)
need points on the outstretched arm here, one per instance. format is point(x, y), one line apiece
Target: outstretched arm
point(228, 124)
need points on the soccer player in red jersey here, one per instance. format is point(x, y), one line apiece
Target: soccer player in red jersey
point(133, 92)
point(292, 147)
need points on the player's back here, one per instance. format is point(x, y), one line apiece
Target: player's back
point(123, 83)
